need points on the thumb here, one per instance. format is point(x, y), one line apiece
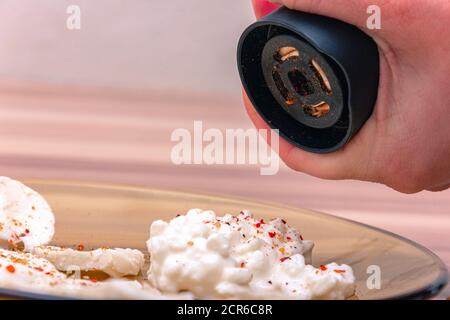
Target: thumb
point(351, 11)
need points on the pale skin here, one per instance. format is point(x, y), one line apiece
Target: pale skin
point(405, 144)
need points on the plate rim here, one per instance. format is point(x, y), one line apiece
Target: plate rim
point(425, 292)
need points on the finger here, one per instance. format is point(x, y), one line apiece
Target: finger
point(350, 11)
point(263, 7)
point(347, 163)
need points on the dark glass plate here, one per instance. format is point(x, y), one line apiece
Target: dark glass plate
point(99, 215)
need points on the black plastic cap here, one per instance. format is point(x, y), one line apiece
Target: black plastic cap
point(312, 77)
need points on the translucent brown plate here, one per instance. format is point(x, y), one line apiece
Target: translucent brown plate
point(97, 215)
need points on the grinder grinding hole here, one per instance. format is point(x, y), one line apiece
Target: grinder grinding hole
point(296, 75)
point(313, 78)
point(301, 85)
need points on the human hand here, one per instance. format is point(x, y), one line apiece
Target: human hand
point(405, 144)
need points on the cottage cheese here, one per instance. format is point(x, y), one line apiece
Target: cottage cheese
point(21, 270)
point(26, 272)
point(25, 216)
point(115, 262)
point(239, 257)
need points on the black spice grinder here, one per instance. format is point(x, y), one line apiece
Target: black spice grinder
point(312, 77)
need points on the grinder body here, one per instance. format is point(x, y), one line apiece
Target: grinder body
point(313, 78)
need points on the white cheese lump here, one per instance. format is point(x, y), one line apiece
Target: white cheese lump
point(25, 216)
point(116, 262)
point(27, 272)
point(239, 257)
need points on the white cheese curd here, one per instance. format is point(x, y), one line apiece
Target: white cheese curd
point(26, 272)
point(116, 262)
point(120, 288)
point(23, 271)
point(117, 288)
point(25, 216)
point(239, 257)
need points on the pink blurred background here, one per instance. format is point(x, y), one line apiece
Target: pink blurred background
point(100, 104)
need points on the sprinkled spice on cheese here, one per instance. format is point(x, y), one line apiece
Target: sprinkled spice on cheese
point(25, 217)
point(240, 257)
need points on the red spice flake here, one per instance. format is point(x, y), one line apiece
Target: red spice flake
point(80, 247)
point(242, 264)
point(27, 231)
point(272, 234)
point(284, 221)
point(290, 102)
point(289, 238)
point(93, 280)
point(11, 268)
point(258, 225)
point(301, 237)
point(285, 258)
point(323, 268)
point(339, 271)
point(39, 269)
point(262, 221)
point(206, 221)
point(49, 274)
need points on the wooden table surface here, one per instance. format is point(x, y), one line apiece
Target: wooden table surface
point(124, 137)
